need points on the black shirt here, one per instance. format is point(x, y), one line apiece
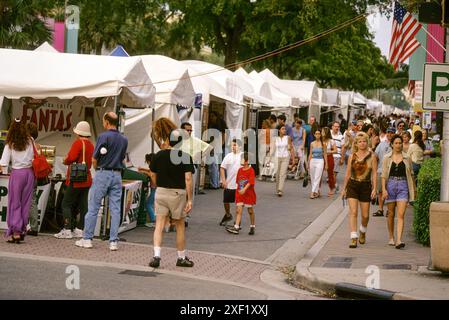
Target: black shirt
point(170, 167)
point(398, 170)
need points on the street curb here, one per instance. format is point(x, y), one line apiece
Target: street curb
point(302, 274)
point(296, 249)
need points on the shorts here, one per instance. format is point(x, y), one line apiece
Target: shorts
point(360, 190)
point(229, 196)
point(241, 204)
point(170, 202)
point(397, 190)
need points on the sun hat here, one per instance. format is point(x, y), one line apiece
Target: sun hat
point(83, 129)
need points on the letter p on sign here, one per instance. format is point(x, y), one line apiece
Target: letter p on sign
point(436, 87)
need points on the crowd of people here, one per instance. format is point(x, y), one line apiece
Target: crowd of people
point(382, 155)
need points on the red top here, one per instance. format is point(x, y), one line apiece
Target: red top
point(243, 178)
point(76, 155)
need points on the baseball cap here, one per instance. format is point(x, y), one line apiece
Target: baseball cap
point(354, 122)
point(391, 130)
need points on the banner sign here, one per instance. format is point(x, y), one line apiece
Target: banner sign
point(436, 87)
point(131, 197)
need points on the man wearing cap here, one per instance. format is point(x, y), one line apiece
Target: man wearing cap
point(107, 160)
point(382, 149)
point(76, 193)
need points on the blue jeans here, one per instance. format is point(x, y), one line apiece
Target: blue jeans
point(105, 183)
point(214, 175)
point(150, 205)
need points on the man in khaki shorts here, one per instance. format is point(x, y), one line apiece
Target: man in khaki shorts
point(172, 171)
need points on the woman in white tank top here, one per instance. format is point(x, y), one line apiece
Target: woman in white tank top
point(282, 149)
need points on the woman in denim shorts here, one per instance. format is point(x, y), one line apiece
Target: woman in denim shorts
point(397, 187)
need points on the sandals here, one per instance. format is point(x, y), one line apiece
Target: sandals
point(400, 245)
point(378, 213)
point(391, 242)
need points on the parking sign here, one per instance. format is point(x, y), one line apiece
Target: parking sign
point(436, 87)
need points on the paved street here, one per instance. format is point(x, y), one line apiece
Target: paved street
point(25, 279)
point(277, 220)
point(229, 261)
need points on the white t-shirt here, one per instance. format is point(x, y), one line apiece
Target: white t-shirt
point(339, 140)
point(231, 163)
point(19, 159)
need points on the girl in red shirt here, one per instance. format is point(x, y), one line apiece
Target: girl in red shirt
point(245, 196)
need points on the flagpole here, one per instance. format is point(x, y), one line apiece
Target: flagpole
point(429, 53)
point(441, 46)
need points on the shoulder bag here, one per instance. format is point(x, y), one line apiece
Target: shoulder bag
point(78, 171)
point(41, 167)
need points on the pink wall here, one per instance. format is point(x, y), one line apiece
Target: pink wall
point(438, 33)
point(58, 36)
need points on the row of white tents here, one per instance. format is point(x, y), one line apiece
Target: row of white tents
point(57, 90)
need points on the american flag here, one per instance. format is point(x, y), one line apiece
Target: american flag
point(403, 42)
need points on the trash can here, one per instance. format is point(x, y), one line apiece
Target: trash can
point(439, 235)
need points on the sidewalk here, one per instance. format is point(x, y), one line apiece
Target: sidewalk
point(331, 266)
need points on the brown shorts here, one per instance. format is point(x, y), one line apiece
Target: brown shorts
point(170, 202)
point(360, 190)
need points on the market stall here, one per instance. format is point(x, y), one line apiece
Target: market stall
point(56, 91)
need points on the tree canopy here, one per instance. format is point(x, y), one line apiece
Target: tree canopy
point(234, 29)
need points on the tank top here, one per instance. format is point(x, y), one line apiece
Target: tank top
point(361, 168)
point(282, 147)
point(317, 153)
point(297, 137)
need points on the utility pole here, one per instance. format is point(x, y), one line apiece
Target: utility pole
point(444, 191)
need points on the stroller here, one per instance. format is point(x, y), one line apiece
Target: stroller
point(268, 170)
point(294, 170)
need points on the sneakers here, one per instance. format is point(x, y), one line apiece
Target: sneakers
point(252, 231)
point(186, 263)
point(77, 233)
point(362, 238)
point(150, 225)
point(353, 243)
point(83, 243)
point(232, 229)
point(226, 218)
point(64, 234)
point(113, 246)
point(155, 262)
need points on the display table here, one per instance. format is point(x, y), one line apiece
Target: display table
point(130, 206)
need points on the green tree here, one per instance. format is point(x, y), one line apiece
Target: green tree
point(21, 23)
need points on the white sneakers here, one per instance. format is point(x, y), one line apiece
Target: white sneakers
point(77, 233)
point(64, 234)
point(83, 243)
point(113, 246)
point(67, 234)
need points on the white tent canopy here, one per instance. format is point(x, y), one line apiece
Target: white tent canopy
point(359, 99)
point(261, 90)
point(46, 47)
point(171, 79)
point(41, 75)
point(212, 80)
point(281, 99)
point(328, 97)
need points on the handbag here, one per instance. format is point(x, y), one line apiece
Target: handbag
point(41, 167)
point(305, 182)
point(78, 171)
